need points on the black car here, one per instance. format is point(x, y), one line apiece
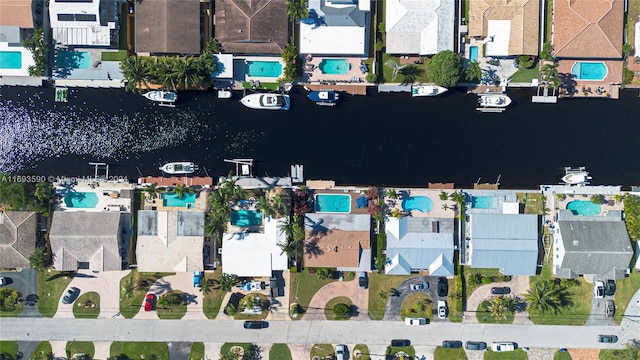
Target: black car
point(400, 342)
point(255, 324)
point(443, 287)
point(500, 290)
point(451, 344)
point(610, 339)
point(475, 345)
point(610, 287)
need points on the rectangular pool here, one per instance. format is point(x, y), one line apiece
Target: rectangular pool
point(10, 59)
point(244, 218)
point(333, 203)
point(263, 69)
point(473, 53)
point(172, 199)
point(73, 59)
point(334, 66)
point(587, 70)
point(484, 202)
point(82, 200)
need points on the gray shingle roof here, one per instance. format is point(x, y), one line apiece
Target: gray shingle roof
point(17, 238)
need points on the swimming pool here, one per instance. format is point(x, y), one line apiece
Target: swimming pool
point(584, 207)
point(334, 66)
point(333, 203)
point(172, 199)
point(73, 59)
point(484, 202)
point(421, 203)
point(244, 218)
point(473, 53)
point(10, 59)
point(84, 200)
point(263, 68)
point(582, 70)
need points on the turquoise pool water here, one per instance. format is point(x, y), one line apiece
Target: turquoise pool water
point(83, 200)
point(73, 59)
point(245, 218)
point(589, 70)
point(421, 203)
point(333, 203)
point(584, 207)
point(484, 202)
point(263, 68)
point(334, 66)
point(473, 53)
point(172, 199)
point(10, 59)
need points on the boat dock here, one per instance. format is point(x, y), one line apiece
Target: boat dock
point(205, 181)
point(490, 109)
point(545, 97)
point(297, 174)
point(353, 89)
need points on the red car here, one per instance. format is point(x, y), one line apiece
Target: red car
point(148, 302)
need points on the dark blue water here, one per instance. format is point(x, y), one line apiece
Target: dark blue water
point(383, 139)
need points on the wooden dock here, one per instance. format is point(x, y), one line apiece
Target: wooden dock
point(353, 89)
point(206, 181)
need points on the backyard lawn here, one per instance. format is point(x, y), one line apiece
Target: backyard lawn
point(303, 287)
point(197, 351)
point(51, 285)
point(420, 72)
point(114, 55)
point(533, 203)
point(449, 354)
point(381, 284)
point(280, 351)
point(135, 350)
point(525, 75)
point(74, 348)
point(625, 288)
point(213, 299)
point(87, 306)
point(139, 284)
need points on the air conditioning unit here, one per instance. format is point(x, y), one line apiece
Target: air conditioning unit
point(219, 250)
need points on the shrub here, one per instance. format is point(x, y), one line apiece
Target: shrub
point(341, 311)
point(475, 279)
point(525, 61)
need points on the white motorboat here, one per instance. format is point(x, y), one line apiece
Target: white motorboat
point(324, 97)
point(576, 176)
point(181, 167)
point(224, 94)
point(162, 97)
point(268, 101)
point(428, 90)
point(494, 100)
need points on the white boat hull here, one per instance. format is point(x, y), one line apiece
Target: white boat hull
point(161, 96)
point(427, 90)
point(261, 101)
point(175, 168)
point(576, 178)
point(494, 100)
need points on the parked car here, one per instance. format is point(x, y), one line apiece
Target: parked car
point(610, 287)
point(503, 346)
point(198, 276)
point(341, 352)
point(443, 287)
point(598, 290)
point(255, 324)
point(5, 281)
point(452, 344)
point(416, 321)
point(500, 290)
point(421, 286)
point(362, 280)
point(442, 309)
point(149, 301)
point(71, 295)
point(609, 339)
point(609, 308)
point(400, 342)
point(476, 345)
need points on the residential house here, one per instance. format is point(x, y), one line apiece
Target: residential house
point(340, 241)
point(87, 240)
point(18, 231)
point(18, 18)
point(507, 27)
point(419, 244)
point(591, 245)
point(252, 27)
point(84, 23)
point(419, 27)
point(170, 241)
point(167, 27)
point(336, 27)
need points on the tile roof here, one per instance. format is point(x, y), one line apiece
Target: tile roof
point(167, 26)
point(336, 240)
point(16, 13)
point(17, 238)
point(588, 28)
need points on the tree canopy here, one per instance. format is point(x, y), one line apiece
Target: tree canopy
point(445, 68)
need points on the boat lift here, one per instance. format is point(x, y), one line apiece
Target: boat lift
point(244, 167)
point(98, 166)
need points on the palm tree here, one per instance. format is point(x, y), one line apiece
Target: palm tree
point(182, 189)
point(411, 73)
point(443, 195)
point(265, 206)
point(188, 72)
point(127, 288)
point(445, 207)
point(135, 71)
point(296, 10)
point(497, 309)
point(163, 302)
point(457, 197)
point(392, 194)
point(395, 67)
point(205, 287)
point(542, 297)
point(227, 281)
point(153, 191)
point(277, 202)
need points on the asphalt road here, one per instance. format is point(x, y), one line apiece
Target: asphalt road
point(308, 332)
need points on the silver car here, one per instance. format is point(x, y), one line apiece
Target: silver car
point(609, 308)
point(341, 352)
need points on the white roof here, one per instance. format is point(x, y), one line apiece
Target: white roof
point(225, 66)
point(637, 37)
point(79, 31)
point(419, 27)
point(499, 34)
point(254, 254)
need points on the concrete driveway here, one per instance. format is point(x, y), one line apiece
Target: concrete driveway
point(25, 282)
point(392, 310)
point(360, 299)
point(597, 316)
point(182, 281)
point(519, 286)
point(105, 283)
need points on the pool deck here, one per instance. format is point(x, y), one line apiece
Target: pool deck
point(353, 89)
point(312, 72)
point(175, 180)
point(246, 59)
point(109, 196)
point(438, 210)
point(158, 203)
point(355, 194)
point(588, 88)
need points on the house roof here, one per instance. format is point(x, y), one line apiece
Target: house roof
point(336, 240)
point(17, 238)
point(594, 247)
point(167, 26)
point(86, 237)
point(523, 30)
point(88, 22)
point(413, 245)
point(170, 241)
point(588, 28)
point(16, 13)
point(255, 27)
point(255, 254)
point(508, 242)
point(419, 27)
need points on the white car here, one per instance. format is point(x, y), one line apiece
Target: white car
point(503, 346)
point(415, 321)
point(341, 352)
point(442, 309)
point(598, 290)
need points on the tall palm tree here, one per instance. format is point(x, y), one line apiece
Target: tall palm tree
point(392, 194)
point(411, 73)
point(205, 287)
point(443, 195)
point(296, 10)
point(135, 71)
point(542, 297)
point(188, 72)
point(497, 309)
point(182, 189)
point(395, 67)
point(265, 206)
point(227, 281)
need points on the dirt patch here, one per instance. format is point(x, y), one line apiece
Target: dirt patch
point(584, 354)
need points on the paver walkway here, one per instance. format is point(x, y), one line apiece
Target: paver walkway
point(102, 350)
point(360, 299)
point(58, 349)
point(105, 283)
point(212, 350)
point(182, 281)
point(519, 286)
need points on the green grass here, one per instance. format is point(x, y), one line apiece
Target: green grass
point(114, 55)
point(388, 72)
point(410, 306)
point(8, 291)
point(263, 85)
point(9, 349)
point(518, 354)
point(172, 312)
point(525, 75)
point(264, 300)
point(547, 21)
point(449, 354)
point(484, 317)
point(197, 351)
point(51, 285)
point(574, 315)
point(364, 351)
point(227, 346)
point(625, 288)
point(322, 350)
point(79, 347)
point(489, 273)
point(391, 350)
point(533, 203)
point(303, 287)
point(559, 355)
point(213, 300)
point(627, 353)
point(133, 350)
point(129, 306)
point(328, 308)
point(43, 348)
point(280, 352)
point(378, 283)
point(82, 310)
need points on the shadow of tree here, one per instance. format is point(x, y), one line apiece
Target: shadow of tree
point(312, 249)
